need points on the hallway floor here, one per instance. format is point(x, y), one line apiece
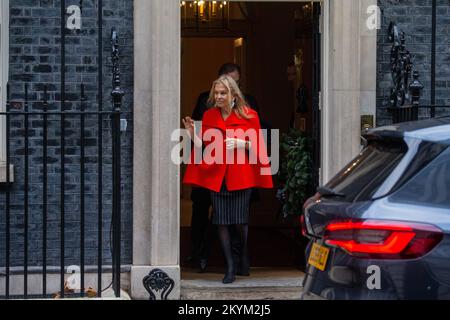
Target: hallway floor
point(268, 247)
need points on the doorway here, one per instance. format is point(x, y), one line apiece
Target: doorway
point(277, 47)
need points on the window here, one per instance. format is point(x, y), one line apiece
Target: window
point(362, 177)
point(430, 187)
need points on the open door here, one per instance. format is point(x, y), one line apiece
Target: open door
point(316, 91)
point(270, 41)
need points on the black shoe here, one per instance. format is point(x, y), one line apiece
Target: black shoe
point(203, 265)
point(243, 272)
point(244, 267)
point(236, 262)
point(229, 278)
point(192, 259)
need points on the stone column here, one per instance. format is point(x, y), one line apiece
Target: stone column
point(156, 114)
point(341, 108)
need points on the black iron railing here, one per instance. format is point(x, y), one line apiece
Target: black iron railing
point(49, 120)
point(117, 95)
point(405, 96)
point(108, 146)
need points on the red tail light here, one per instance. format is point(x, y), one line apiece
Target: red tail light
point(303, 226)
point(314, 198)
point(383, 239)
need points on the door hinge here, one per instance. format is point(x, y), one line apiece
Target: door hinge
point(320, 23)
point(320, 100)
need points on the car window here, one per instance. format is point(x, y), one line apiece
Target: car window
point(363, 176)
point(426, 153)
point(431, 186)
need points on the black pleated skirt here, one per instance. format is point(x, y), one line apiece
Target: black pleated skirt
point(230, 207)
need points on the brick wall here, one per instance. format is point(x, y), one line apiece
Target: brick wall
point(35, 58)
point(414, 18)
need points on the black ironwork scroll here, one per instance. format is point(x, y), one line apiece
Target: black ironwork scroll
point(157, 280)
point(401, 66)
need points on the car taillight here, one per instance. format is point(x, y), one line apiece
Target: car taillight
point(303, 226)
point(315, 198)
point(383, 239)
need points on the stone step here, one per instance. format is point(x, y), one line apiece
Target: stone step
point(263, 284)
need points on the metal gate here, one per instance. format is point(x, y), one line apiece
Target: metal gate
point(88, 144)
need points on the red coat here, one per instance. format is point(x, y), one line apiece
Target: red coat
point(237, 176)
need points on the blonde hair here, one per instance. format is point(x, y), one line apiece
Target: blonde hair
point(240, 108)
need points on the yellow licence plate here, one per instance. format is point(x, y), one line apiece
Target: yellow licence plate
point(318, 256)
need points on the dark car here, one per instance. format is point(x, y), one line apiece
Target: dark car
point(380, 229)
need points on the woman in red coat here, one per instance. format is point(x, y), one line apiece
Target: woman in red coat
point(234, 161)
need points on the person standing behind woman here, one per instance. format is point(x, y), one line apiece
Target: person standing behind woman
point(230, 183)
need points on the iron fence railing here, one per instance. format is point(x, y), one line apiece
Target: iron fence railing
point(26, 125)
point(405, 95)
point(57, 120)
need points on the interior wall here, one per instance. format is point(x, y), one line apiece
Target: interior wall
point(201, 59)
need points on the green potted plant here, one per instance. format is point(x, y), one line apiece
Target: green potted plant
point(295, 175)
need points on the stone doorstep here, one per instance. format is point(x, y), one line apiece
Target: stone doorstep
point(264, 285)
point(241, 293)
point(238, 294)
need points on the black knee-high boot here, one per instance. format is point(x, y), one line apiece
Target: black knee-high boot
point(244, 263)
point(224, 236)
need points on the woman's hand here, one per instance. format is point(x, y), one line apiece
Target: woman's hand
point(233, 143)
point(189, 125)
